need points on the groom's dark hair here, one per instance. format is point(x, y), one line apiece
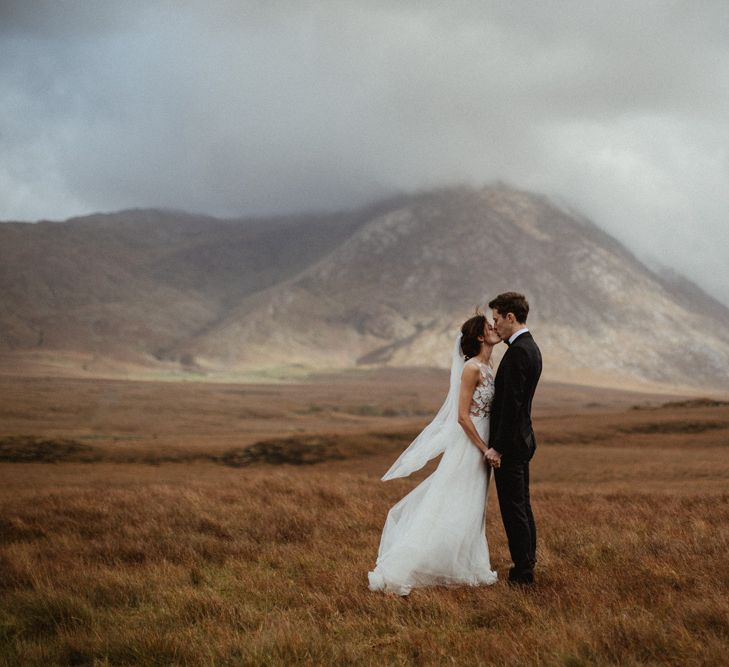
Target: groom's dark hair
point(511, 302)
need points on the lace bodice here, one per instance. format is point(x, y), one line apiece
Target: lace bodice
point(483, 395)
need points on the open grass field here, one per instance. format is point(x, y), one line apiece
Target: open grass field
point(201, 524)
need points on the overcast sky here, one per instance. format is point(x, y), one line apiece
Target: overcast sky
point(620, 109)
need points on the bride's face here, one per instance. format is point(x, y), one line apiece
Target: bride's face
point(489, 334)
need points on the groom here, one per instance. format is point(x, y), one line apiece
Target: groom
point(511, 438)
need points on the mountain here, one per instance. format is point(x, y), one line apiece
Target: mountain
point(131, 284)
point(388, 284)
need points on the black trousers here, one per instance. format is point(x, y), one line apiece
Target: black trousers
point(512, 485)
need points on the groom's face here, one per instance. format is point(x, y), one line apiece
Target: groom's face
point(502, 324)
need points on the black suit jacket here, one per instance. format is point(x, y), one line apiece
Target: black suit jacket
point(510, 429)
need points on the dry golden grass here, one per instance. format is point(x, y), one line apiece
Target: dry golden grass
point(195, 562)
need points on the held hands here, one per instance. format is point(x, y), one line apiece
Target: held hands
point(492, 457)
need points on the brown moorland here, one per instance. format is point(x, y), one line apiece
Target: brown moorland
point(191, 523)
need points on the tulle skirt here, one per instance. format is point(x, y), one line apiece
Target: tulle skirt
point(436, 534)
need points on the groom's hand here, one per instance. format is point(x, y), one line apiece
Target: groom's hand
point(493, 457)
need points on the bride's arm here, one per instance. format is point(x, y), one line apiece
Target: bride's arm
point(469, 380)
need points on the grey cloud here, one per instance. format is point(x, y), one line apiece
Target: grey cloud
point(236, 108)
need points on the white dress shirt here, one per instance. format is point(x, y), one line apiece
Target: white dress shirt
point(516, 335)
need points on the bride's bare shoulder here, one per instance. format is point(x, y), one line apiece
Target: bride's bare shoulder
point(470, 368)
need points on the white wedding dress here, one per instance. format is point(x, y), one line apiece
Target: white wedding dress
point(436, 534)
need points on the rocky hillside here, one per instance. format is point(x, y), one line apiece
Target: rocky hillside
point(385, 285)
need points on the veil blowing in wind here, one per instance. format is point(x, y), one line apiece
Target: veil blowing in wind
point(434, 438)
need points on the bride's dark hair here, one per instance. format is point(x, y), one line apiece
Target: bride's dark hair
point(472, 329)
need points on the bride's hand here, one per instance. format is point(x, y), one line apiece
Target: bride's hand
point(494, 459)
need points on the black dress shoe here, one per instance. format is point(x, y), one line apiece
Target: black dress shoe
point(522, 582)
point(521, 577)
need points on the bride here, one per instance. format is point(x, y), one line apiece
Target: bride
point(436, 534)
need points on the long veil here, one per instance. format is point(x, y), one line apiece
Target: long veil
point(434, 438)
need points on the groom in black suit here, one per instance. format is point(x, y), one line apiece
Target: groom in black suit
point(511, 438)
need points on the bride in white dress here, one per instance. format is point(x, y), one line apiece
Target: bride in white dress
point(436, 534)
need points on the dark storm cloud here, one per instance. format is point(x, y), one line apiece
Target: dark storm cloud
point(235, 108)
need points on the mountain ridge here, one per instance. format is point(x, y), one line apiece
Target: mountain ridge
point(386, 284)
